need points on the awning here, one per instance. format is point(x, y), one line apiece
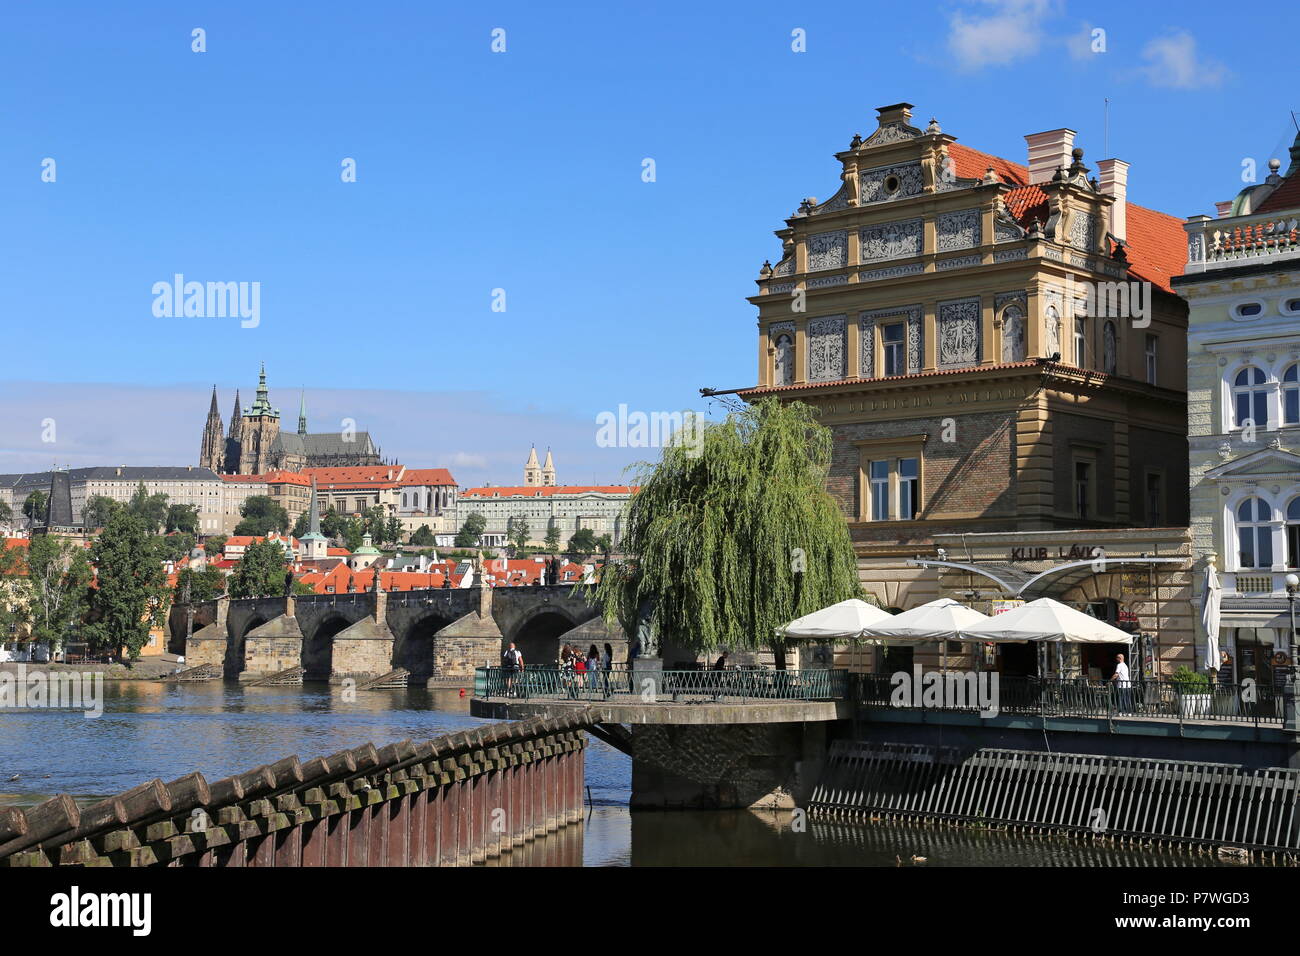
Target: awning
point(936, 621)
point(1048, 621)
point(843, 621)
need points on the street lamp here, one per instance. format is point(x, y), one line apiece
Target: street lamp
point(1289, 717)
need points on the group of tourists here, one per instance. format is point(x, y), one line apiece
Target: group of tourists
point(577, 672)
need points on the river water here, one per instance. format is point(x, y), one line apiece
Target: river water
point(152, 729)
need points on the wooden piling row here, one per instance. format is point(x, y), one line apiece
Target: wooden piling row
point(457, 800)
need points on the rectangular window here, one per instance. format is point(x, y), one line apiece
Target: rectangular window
point(1080, 343)
point(891, 347)
point(1083, 489)
point(1293, 546)
point(1291, 405)
point(908, 474)
point(1151, 359)
point(879, 491)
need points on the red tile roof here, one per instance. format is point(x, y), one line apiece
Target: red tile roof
point(1286, 196)
point(427, 476)
point(355, 474)
point(972, 164)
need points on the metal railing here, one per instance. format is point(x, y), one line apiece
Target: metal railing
point(681, 686)
point(1163, 700)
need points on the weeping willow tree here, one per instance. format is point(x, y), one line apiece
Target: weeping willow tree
point(733, 534)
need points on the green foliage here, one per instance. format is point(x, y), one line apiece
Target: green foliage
point(262, 515)
point(56, 586)
point(150, 509)
point(393, 530)
point(331, 524)
point(518, 533)
point(131, 593)
point(6, 513)
point(183, 518)
point(423, 537)
point(261, 571)
point(301, 524)
point(36, 506)
point(469, 533)
point(582, 543)
point(552, 538)
point(604, 544)
point(715, 537)
point(215, 544)
point(1190, 681)
point(98, 510)
point(174, 547)
point(301, 587)
point(203, 585)
point(353, 531)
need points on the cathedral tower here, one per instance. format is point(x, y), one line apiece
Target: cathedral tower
point(212, 452)
point(548, 470)
point(532, 470)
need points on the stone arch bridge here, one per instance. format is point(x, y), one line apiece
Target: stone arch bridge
point(432, 633)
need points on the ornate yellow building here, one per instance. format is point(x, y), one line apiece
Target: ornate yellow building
point(997, 350)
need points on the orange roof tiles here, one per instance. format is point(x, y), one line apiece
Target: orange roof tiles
point(1286, 196)
point(427, 476)
point(972, 164)
point(355, 474)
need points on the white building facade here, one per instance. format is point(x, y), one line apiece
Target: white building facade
point(1242, 284)
point(568, 508)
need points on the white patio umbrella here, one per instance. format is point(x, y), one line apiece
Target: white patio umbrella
point(843, 621)
point(1045, 620)
point(1210, 616)
point(936, 621)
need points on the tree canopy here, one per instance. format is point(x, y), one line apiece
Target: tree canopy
point(469, 533)
point(131, 592)
point(262, 515)
point(261, 571)
point(730, 539)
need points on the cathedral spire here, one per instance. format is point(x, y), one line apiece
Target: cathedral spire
point(212, 451)
point(236, 417)
point(532, 470)
point(302, 412)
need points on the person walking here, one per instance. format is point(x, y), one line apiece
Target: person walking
point(512, 664)
point(1121, 679)
point(608, 663)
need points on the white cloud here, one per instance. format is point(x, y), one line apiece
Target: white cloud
point(463, 459)
point(1174, 62)
point(998, 32)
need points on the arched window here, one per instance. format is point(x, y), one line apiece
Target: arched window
point(1013, 334)
point(1110, 360)
point(1254, 534)
point(1293, 534)
point(1291, 395)
point(1250, 398)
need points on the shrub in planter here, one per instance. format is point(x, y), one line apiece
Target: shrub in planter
point(1193, 692)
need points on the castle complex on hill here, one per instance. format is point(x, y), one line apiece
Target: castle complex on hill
point(256, 445)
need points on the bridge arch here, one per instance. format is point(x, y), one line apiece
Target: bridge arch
point(540, 633)
point(236, 632)
point(318, 647)
point(414, 647)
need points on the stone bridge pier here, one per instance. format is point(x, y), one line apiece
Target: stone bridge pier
point(434, 633)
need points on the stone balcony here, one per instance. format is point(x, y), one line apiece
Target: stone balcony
point(1241, 240)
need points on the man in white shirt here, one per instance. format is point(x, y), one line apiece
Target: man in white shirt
point(1121, 679)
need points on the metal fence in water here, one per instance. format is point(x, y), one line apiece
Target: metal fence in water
point(1144, 798)
point(670, 685)
point(1163, 700)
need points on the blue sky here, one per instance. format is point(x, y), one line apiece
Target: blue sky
point(519, 171)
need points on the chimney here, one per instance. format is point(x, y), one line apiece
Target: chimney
point(1048, 152)
point(1113, 181)
point(1224, 208)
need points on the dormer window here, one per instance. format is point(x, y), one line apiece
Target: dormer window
point(1248, 310)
